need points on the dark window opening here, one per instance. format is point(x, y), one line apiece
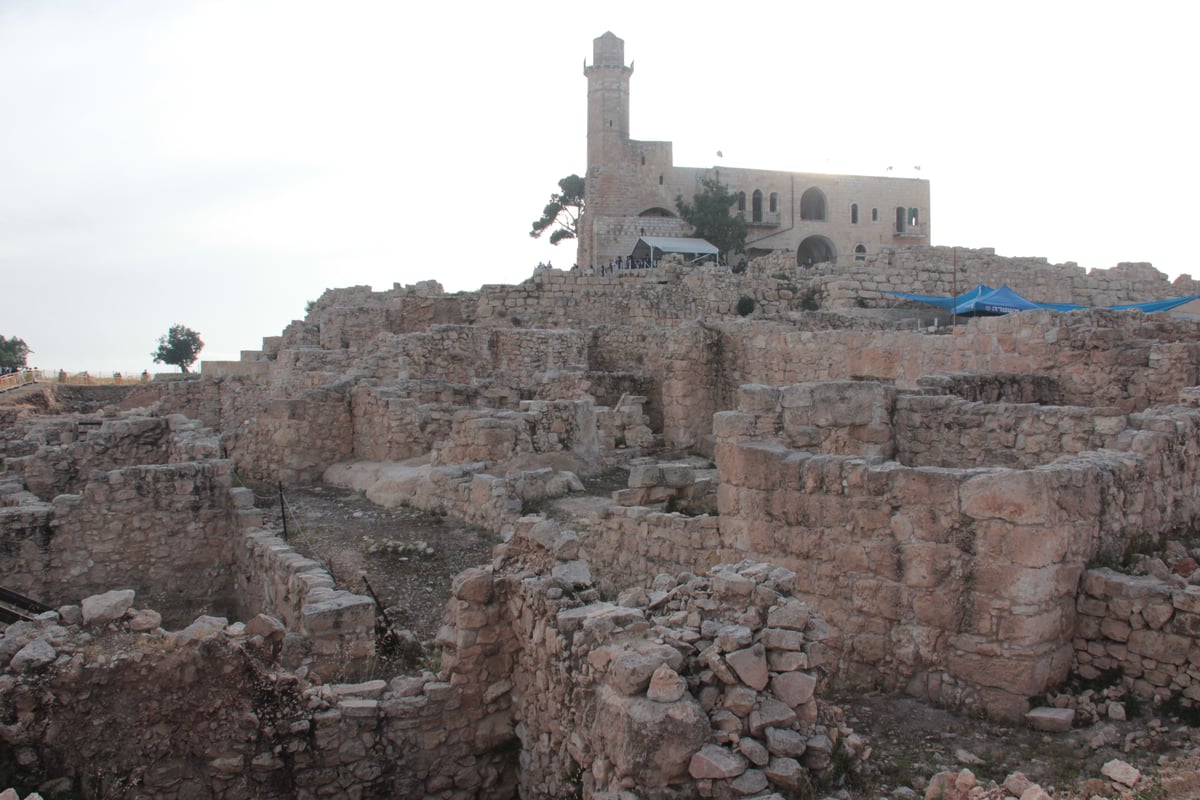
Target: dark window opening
point(812, 204)
point(860, 252)
point(901, 218)
point(912, 218)
point(874, 215)
point(774, 203)
point(756, 206)
point(660, 180)
point(643, 159)
point(742, 202)
point(854, 213)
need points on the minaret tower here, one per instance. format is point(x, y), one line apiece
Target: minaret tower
point(607, 134)
point(608, 99)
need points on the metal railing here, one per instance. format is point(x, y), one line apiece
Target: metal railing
point(25, 377)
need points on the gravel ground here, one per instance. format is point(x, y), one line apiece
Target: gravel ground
point(408, 556)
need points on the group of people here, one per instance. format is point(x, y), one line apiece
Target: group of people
point(618, 264)
point(14, 370)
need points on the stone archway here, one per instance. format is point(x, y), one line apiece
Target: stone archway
point(816, 250)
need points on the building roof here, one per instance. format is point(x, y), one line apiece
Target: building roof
point(677, 244)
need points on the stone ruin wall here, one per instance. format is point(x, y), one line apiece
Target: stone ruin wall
point(928, 574)
point(134, 526)
point(932, 271)
point(1144, 628)
point(178, 533)
point(542, 687)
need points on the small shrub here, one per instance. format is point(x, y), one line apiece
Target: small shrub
point(811, 299)
point(745, 305)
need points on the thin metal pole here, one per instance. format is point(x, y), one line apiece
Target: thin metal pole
point(954, 307)
point(282, 511)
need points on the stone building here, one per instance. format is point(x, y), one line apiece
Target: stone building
point(631, 188)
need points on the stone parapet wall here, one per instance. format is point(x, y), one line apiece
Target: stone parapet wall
point(940, 271)
point(1143, 628)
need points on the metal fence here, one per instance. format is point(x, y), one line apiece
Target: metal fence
point(27, 376)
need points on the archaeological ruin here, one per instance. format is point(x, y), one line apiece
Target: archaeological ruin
point(819, 490)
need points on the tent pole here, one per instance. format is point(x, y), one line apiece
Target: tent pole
point(954, 307)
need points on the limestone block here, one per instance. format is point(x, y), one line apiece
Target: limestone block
point(472, 585)
point(785, 742)
point(771, 713)
point(666, 685)
point(643, 475)
point(1051, 720)
point(754, 751)
point(792, 614)
point(34, 656)
point(752, 781)
point(786, 773)
point(1163, 647)
point(648, 742)
point(717, 763)
point(1121, 772)
point(1022, 497)
point(750, 664)
point(794, 688)
point(101, 609)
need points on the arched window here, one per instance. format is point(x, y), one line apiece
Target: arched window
point(901, 218)
point(741, 202)
point(854, 213)
point(773, 205)
point(756, 206)
point(912, 218)
point(812, 204)
point(860, 252)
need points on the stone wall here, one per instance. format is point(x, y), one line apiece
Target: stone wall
point(334, 630)
point(941, 431)
point(957, 584)
point(699, 681)
point(139, 527)
point(74, 447)
point(294, 440)
point(940, 270)
point(1143, 628)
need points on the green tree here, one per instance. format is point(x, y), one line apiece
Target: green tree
point(13, 352)
point(708, 214)
point(179, 347)
point(563, 210)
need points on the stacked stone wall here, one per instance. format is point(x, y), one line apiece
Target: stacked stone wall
point(73, 450)
point(139, 527)
point(940, 271)
point(1142, 628)
point(1098, 358)
point(942, 431)
point(295, 440)
point(334, 629)
point(956, 584)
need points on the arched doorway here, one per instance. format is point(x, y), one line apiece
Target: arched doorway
point(816, 250)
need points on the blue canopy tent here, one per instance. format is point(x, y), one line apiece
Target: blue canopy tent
point(983, 300)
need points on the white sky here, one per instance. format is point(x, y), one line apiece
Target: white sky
point(219, 163)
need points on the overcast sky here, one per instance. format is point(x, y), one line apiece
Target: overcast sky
point(218, 164)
